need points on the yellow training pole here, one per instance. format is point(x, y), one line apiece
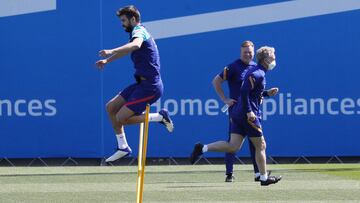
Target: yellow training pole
point(141, 136)
point(142, 155)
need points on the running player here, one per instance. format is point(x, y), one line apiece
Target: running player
point(245, 117)
point(234, 74)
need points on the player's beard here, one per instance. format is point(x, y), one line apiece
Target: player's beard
point(128, 28)
point(246, 60)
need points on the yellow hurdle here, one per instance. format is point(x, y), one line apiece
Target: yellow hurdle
point(143, 138)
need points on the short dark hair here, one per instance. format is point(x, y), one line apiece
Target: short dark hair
point(247, 43)
point(129, 11)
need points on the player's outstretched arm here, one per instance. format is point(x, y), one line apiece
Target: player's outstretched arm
point(127, 48)
point(118, 52)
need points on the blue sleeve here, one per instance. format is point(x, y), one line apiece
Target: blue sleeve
point(246, 88)
point(227, 73)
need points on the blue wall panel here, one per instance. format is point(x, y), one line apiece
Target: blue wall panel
point(53, 99)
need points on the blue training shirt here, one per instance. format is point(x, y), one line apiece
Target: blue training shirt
point(251, 92)
point(234, 74)
point(146, 59)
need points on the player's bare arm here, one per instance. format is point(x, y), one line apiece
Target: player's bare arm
point(119, 52)
point(217, 82)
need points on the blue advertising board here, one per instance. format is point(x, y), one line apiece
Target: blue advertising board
point(52, 98)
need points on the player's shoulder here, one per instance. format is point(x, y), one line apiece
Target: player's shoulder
point(256, 71)
point(260, 72)
point(140, 31)
point(252, 63)
point(253, 69)
point(234, 64)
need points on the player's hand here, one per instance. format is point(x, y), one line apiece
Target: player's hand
point(229, 101)
point(273, 91)
point(105, 53)
point(100, 64)
point(251, 116)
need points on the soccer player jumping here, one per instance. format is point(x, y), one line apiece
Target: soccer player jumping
point(246, 117)
point(128, 106)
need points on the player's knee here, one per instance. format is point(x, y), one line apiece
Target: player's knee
point(111, 108)
point(120, 119)
point(233, 149)
point(263, 145)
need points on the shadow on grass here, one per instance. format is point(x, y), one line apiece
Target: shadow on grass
point(180, 172)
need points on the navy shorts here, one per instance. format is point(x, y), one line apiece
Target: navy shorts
point(138, 95)
point(245, 127)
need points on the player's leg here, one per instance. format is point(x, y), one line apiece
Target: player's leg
point(234, 145)
point(236, 139)
point(162, 117)
point(229, 161)
point(256, 136)
point(136, 104)
point(237, 134)
point(123, 115)
point(112, 107)
point(260, 154)
point(143, 95)
point(123, 148)
point(136, 101)
point(253, 159)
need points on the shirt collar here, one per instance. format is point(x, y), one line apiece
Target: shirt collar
point(252, 63)
point(262, 68)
